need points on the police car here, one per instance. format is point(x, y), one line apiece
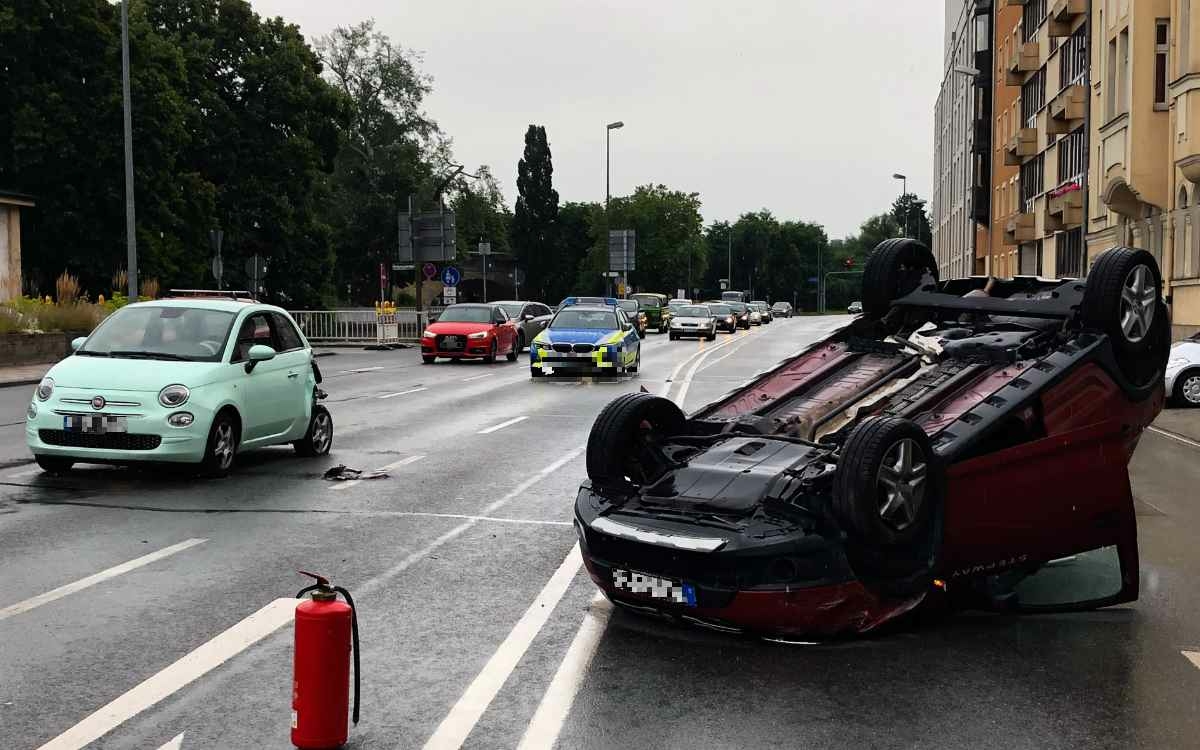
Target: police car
point(586, 339)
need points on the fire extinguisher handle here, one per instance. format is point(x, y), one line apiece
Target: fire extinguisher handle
point(354, 641)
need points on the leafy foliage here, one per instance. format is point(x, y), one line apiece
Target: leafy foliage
point(536, 215)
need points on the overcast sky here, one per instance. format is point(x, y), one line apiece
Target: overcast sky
point(804, 107)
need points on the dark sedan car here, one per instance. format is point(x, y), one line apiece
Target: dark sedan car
point(531, 319)
point(940, 450)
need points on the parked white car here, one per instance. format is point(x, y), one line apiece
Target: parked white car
point(1183, 372)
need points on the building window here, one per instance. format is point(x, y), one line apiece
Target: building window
point(1072, 156)
point(1068, 254)
point(1033, 98)
point(1110, 82)
point(1033, 179)
point(1184, 64)
point(1162, 47)
point(1073, 58)
point(1033, 14)
point(1124, 82)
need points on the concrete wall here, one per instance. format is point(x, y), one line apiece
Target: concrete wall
point(34, 348)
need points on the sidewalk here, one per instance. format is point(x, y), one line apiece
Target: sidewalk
point(23, 374)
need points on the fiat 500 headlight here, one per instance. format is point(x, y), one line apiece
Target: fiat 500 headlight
point(174, 395)
point(45, 388)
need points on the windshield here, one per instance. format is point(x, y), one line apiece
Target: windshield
point(154, 332)
point(720, 309)
point(466, 314)
point(647, 300)
point(628, 305)
point(571, 317)
point(694, 311)
point(513, 310)
point(737, 307)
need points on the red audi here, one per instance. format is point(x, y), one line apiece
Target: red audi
point(470, 331)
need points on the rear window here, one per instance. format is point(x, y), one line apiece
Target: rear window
point(628, 305)
point(720, 309)
point(737, 307)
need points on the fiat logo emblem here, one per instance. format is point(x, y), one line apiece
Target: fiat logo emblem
point(98, 402)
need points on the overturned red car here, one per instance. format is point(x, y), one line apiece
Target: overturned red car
point(952, 447)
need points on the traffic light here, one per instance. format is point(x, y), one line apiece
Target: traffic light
point(849, 263)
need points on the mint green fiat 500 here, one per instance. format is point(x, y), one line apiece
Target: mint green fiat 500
point(190, 380)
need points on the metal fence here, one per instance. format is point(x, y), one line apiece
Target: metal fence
point(355, 326)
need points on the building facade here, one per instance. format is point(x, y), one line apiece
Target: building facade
point(1145, 101)
point(959, 205)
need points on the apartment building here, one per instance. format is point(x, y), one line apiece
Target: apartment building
point(1043, 133)
point(1001, 257)
point(959, 205)
point(1145, 104)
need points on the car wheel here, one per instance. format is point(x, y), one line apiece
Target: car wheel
point(671, 336)
point(428, 360)
point(637, 362)
point(536, 373)
point(520, 342)
point(712, 335)
point(895, 268)
point(1123, 300)
point(512, 353)
point(887, 482)
point(54, 464)
point(622, 447)
point(641, 333)
point(491, 357)
point(319, 438)
point(1187, 390)
point(221, 448)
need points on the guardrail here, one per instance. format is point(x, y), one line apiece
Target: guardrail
point(356, 326)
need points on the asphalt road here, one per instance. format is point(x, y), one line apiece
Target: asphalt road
point(480, 630)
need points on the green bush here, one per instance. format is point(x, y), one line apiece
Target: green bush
point(78, 316)
point(10, 321)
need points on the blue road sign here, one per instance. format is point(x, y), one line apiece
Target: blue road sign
point(451, 276)
point(812, 279)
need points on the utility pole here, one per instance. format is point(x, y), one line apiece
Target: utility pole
point(903, 192)
point(130, 221)
point(729, 236)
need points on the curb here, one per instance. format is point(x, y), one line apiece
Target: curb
point(15, 383)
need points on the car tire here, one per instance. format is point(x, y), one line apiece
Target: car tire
point(54, 464)
point(489, 359)
point(1122, 299)
point(895, 268)
point(520, 342)
point(1187, 389)
point(637, 363)
point(428, 360)
point(512, 353)
point(536, 373)
point(672, 336)
point(221, 448)
point(887, 483)
point(620, 449)
point(319, 438)
point(641, 333)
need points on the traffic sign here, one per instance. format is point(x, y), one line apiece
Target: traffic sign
point(451, 276)
point(485, 248)
point(622, 250)
point(218, 269)
point(812, 279)
point(449, 295)
point(724, 284)
point(429, 270)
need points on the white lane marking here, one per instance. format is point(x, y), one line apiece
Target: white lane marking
point(502, 425)
point(465, 714)
point(183, 672)
point(551, 713)
point(1193, 657)
point(175, 743)
point(527, 521)
point(703, 351)
point(687, 380)
point(402, 393)
point(361, 369)
point(341, 486)
point(95, 578)
point(1172, 436)
point(477, 377)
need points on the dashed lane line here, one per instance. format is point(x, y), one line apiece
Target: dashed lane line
point(1172, 436)
point(465, 714)
point(359, 370)
point(402, 393)
point(1193, 657)
point(95, 578)
point(183, 672)
point(175, 743)
point(478, 377)
point(502, 425)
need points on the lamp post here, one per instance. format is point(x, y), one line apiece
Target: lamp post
point(903, 192)
point(130, 222)
point(607, 169)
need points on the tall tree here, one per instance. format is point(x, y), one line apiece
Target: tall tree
point(908, 211)
point(480, 214)
point(536, 215)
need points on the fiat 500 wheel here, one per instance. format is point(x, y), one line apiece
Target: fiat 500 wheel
point(222, 446)
point(319, 438)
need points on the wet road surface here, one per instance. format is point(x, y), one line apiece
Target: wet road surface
point(479, 628)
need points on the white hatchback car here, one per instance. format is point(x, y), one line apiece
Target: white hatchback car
point(1183, 372)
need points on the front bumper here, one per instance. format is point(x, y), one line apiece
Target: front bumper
point(682, 331)
point(147, 438)
point(601, 359)
point(793, 584)
point(473, 348)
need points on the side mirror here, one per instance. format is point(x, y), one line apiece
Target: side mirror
point(77, 343)
point(527, 317)
point(258, 353)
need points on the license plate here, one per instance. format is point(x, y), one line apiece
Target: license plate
point(451, 342)
point(97, 424)
point(654, 587)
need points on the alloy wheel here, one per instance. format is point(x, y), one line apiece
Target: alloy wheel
point(902, 484)
point(1191, 389)
point(1137, 303)
point(223, 447)
point(322, 433)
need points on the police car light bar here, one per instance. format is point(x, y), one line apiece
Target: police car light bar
point(609, 301)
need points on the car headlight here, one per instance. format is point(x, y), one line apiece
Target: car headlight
point(427, 334)
point(45, 388)
point(540, 345)
point(181, 419)
point(174, 395)
point(31, 412)
point(479, 335)
point(729, 319)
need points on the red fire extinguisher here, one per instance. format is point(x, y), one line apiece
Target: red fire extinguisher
point(326, 635)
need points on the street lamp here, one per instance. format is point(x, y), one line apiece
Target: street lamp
point(903, 192)
point(607, 160)
point(130, 223)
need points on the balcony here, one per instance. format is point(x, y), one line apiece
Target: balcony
point(1020, 227)
point(1020, 147)
point(1063, 15)
point(1067, 109)
point(1064, 211)
point(1022, 59)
